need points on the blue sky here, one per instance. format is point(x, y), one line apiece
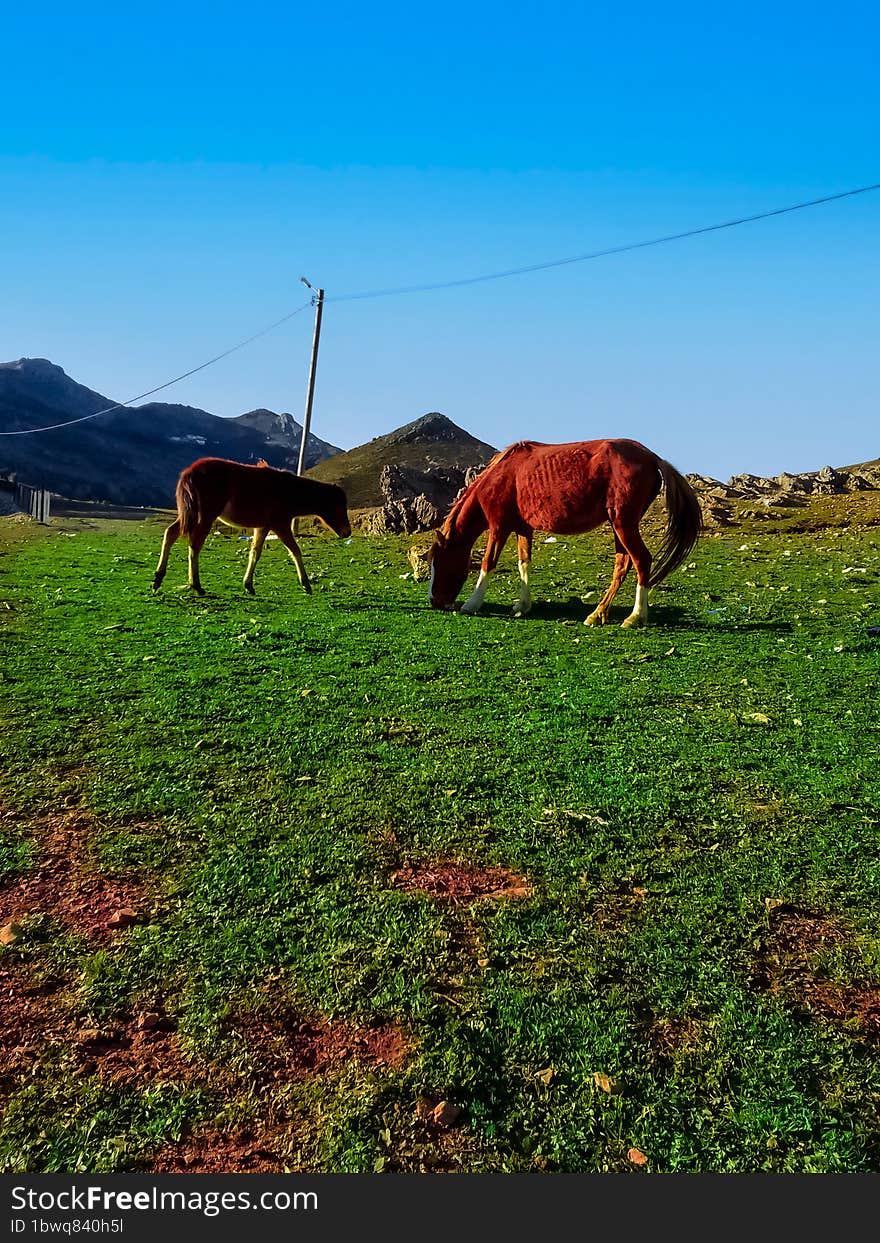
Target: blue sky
point(166, 175)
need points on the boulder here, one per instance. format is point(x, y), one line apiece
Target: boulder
point(415, 500)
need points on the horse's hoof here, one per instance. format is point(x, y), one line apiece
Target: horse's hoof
point(249, 589)
point(596, 619)
point(307, 588)
point(630, 623)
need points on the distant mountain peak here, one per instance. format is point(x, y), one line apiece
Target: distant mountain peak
point(430, 427)
point(132, 455)
point(284, 431)
point(262, 413)
point(36, 366)
point(432, 443)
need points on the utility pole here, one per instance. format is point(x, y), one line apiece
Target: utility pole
point(307, 417)
point(307, 420)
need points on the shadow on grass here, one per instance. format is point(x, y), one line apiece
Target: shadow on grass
point(660, 616)
point(572, 610)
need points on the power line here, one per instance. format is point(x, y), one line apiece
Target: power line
point(599, 254)
point(30, 431)
point(458, 283)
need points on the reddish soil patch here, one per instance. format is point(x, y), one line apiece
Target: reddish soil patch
point(34, 1021)
point(217, 1152)
point(287, 1046)
point(787, 966)
point(458, 882)
point(31, 1019)
point(61, 885)
point(142, 1050)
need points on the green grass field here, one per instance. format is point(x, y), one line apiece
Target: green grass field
point(695, 808)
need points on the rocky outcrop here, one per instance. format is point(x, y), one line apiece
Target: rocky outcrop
point(414, 500)
point(725, 503)
point(786, 490)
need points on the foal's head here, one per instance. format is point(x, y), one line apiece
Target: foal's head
point(334, 511)
point(450, 566)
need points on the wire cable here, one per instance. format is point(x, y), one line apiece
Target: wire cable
point(457, 284)
point(120, 405)
point(599, 254)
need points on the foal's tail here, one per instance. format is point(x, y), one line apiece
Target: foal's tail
point(189, 509)
point(684, 523)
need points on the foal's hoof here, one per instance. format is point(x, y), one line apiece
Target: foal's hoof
point(596, 619)
point(157, 583)
point(249, 589)
point(307, 588)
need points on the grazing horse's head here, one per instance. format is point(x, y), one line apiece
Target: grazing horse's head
point(450, 566)
point(334, 512)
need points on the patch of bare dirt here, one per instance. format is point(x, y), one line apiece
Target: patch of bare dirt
point(430, 1136)
point(285, 1045)
point(144, 1049)
point(459, 882)
point(36, 1018)
point(788, 965)
point(673, 1036)
point(61, 884)
point(32, 1018)
point(224, 1152)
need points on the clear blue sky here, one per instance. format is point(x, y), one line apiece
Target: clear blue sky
point(167, 172)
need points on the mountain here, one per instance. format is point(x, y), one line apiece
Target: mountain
point(432, 445)
point(283, 431)
point(132, 456)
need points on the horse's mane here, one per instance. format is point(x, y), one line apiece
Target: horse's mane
point(467, 493)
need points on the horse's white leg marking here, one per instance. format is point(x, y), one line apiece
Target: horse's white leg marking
point(256, 548)
point(298, 562)
point(194, 569)
point(475, 599)
point(639, 615)
point(524, 603)
point(168, 539)
point(431, 585)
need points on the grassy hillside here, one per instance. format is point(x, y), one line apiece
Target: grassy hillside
point(432, 441)
point(226, 821)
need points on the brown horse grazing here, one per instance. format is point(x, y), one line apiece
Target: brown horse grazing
point(565, 489)
point(248, 496)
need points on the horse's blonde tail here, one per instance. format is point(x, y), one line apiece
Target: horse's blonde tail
point(684, 523)
point(189, 510)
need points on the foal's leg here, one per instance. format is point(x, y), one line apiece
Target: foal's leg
point(257, 542)
point(497, 540)
point(628, 532)
point(172, 534)
point(286, 536)
point(524, 603)
point(197, 538)
point(622, 562)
